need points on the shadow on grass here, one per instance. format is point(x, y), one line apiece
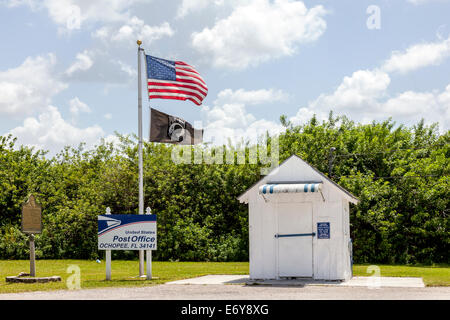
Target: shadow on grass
point(417, 265)
point(128, 281)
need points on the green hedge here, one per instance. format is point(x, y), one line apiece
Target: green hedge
point(402, 218)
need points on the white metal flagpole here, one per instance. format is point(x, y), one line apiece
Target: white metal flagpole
point(141, 178)
point(149, 255)
point(148, 211)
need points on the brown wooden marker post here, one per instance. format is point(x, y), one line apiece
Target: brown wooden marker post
point(32, 224)
point(32, 257)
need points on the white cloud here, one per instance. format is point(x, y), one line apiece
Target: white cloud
point(133, 29)
point(364, 96)
point(246, 38)
point(231, 122)
point(188, 6)
point(112, 138)
point(16, 3)
point(83, 62)
point(410, 107)
point(419, 2)
point(260, 127)
point(76, 106)
point(229, 119)
point(65, 13)
point(250, 97)
point(305, 114)
point(410, 103)
point(98, 66)
point(49, 131)
point(108, 116)
point(230, 115)
point(443, 103)
point(125, 68)
point(30, 86)
point(73, 14)
point(362, 89)
point(418, 56)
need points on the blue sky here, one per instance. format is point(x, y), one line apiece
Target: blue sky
point(68, 69)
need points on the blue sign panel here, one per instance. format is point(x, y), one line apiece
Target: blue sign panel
point(323, 230)
point(127, 232)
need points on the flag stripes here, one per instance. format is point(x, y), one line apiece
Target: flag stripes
point(159, 89)
point(174, 80)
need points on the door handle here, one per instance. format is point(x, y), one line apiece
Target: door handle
point(295, 235)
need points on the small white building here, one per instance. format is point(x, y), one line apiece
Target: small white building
point(299, 224)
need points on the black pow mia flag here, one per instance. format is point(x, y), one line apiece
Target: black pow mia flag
point(165, 128)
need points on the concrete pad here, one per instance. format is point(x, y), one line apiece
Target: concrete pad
point(294, 282)
point(214, 279)
point(369, 282)
point(392, 282)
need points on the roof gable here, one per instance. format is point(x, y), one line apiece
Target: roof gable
point(285, 171)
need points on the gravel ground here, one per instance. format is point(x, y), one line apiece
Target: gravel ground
point(237, 292)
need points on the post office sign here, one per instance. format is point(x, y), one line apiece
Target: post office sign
point(127, 232)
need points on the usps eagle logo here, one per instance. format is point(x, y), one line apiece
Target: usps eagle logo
point(106, 223)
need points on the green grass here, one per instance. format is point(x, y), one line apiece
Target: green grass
point(438, 275)
point(124, 273)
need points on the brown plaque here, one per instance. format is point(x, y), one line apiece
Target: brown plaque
point(31, 216)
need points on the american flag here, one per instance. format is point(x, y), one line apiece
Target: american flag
point(174, 80)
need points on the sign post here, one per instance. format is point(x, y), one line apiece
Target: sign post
point(32, 224)
point(127, 232)
point(108, 255)
point(32, 257)
point(149, 253)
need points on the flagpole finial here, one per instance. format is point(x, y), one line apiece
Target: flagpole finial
point(139, 42)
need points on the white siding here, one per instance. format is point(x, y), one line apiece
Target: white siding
point(255, 238)
point(346, 272)
point(331, 260)
point(268, 242)
point(326, 251)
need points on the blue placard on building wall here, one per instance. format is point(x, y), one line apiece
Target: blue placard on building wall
point(323, 230)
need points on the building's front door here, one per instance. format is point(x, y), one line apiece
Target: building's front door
point(295, 240)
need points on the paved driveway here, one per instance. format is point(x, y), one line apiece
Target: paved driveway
point(239, 292)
